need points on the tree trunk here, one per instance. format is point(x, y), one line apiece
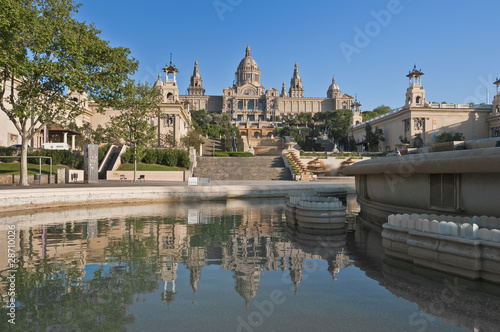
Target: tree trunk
point(135, 161)
point(23, 178)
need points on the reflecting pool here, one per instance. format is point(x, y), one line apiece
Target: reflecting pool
point(219, 266)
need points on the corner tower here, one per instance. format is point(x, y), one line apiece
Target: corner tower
point(415, 94)
point(296, 88)
point(196, 85)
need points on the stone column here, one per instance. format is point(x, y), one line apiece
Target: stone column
point(65, 139)
point(73, 142)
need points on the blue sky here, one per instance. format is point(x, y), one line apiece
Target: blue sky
point(368, 45)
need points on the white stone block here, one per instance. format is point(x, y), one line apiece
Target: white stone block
point(434, 217)
point(418, 225)
point(475, 230)
point(435, 227)
point(453, 229)
point(483, 222)
point(397, 220)
point(404, 220)
point(475, 220)
point(495, 235)
point(411, 223)
point(443, 228)
point(493, 223)
point(484, 234)
point(426, 226)
point(466, 231)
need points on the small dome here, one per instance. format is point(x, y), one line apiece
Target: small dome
point(334, 85)
point(333, 90)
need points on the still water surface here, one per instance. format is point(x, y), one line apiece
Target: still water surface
point(221, 266)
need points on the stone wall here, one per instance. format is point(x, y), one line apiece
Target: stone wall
point(148, 175)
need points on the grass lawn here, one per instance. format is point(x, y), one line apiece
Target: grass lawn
point(13, 168)
point(149, 167)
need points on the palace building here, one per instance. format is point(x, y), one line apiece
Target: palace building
point(248, 101)
point(419, 118)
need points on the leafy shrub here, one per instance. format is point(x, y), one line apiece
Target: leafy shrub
point(151, 156)
point(127, 156)
point(183, 159)
point(170, 157)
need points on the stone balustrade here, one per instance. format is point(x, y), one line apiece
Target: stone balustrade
point(482, 228)
point(335, 205)
point(295, 200)
point(464, 246)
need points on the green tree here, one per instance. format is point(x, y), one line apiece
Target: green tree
point(44, 54)
point(382, 109)
point(195, 139)
point(133, 125)
point(373, 138)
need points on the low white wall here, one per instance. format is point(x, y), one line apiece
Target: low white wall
point(149, 175)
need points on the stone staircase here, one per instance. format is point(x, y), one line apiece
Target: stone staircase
point(242, 168)
point(267, 146)
point(210, 144)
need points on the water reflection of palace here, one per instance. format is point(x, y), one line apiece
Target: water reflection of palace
point(245, 243)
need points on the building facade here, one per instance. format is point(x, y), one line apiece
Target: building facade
point(248, 101)
point(419, 118)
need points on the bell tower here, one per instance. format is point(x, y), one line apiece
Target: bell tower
point(356, 117)
point(415, 94)
point(169, 88)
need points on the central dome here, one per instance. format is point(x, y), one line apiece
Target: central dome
point(248, 70)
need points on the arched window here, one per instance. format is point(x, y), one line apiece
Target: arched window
point(228, 104)
point(498, 110)
point(260, 106)
point(240, 105)
point(250, 105)
point(170, 97)
point(357, 122)
point(418, 100)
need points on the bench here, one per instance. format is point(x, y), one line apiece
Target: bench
point(123, 177)
point(141, 178)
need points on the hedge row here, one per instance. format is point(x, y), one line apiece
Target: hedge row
point(7, 152)
point(73, 159)
point(168, 157)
